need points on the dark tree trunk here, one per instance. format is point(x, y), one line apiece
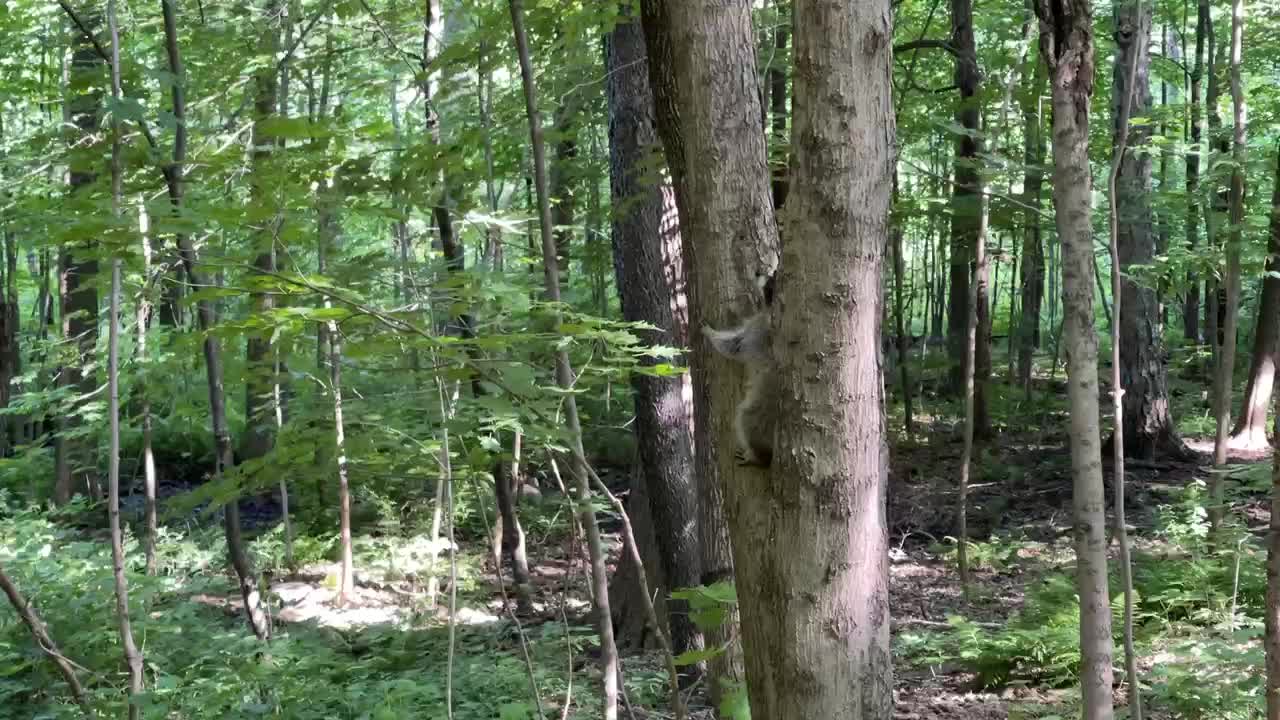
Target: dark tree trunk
point(968, 215)
point(1148, 426)
point(778, 108)
point(1191, 301)
point(651, 282)
point(707, 113)
point(78, 264)
point(1251, 426)
point(1032, 246)
point(259, 429)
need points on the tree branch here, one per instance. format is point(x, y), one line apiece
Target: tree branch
point(925, 44)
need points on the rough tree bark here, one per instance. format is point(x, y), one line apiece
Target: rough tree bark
point(778, 109)
point(1250, 430)
point(1148, 425)
point(720, 201)
point(811, 540)
point(1066, 41)
point(650, 277)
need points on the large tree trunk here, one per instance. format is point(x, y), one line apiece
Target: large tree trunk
point(1032, 246)
point(259, 437)
point(1148, 426)
point(696, 94)
point(79, 265)
point(811, 540)
point(1066, 42)
point(650, 276)
point(1251, 426)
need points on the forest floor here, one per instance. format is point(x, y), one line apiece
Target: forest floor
point(1019, 520)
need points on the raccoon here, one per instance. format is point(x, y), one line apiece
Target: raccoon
point(749, 344)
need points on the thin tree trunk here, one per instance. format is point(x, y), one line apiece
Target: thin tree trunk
point(1066, 41)
point(40, 634)
point(143, 321)
point(564, 377)
point(206, 319)
point(347, 582)
point(1132, 31)
point(1225, 367)
point(1250, 430)
point(1191, 301)
point(132, 657)
point(970, 427)
point(651, 284)
point(902, 324)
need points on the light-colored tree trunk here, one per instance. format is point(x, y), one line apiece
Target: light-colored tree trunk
point(1225, 368)
point(811, 540)
point(347, 578)
point(1066, 42)
point(143, 322)
point(132, 657)
point(609, 666)
point(1251, 425)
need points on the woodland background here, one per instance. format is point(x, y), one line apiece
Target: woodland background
point(381, 396)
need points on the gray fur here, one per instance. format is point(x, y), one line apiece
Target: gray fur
point(754, 423)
